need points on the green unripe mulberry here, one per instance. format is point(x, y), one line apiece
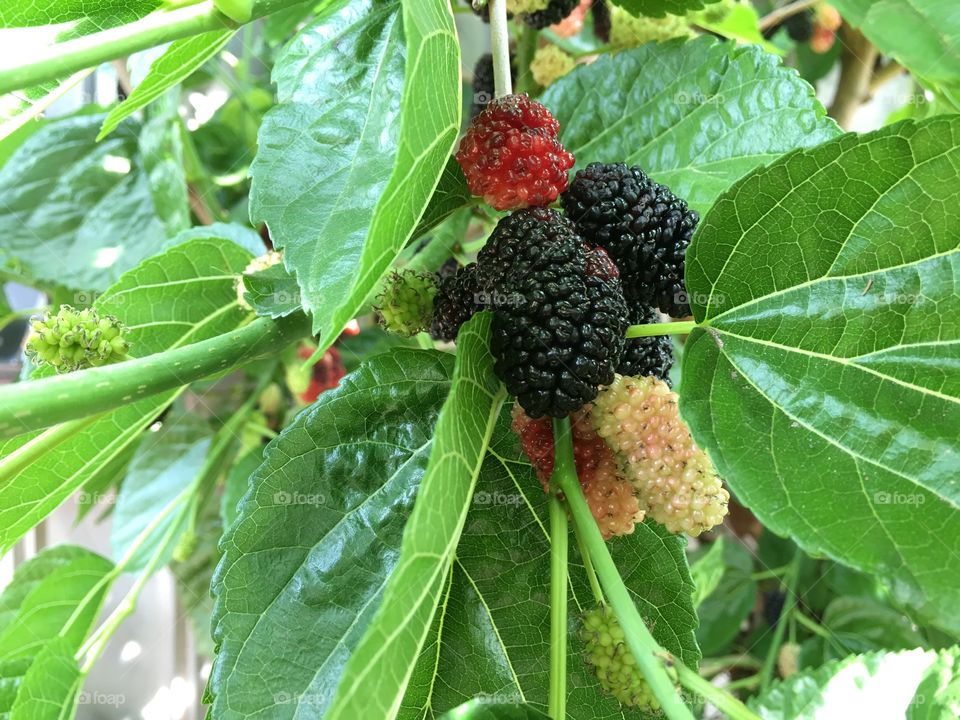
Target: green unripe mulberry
point(76, 339)
point(405, 307)
point(611, 659)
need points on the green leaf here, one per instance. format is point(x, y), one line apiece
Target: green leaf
point(101, 13)
point(236, 484)
point(488, 638)
point(709, 114)
point(63, 603)
point(340, 179)
point(739, 22)
point(184, 295)
point(48, 690)
point(911, 685)
point(823, 380)
point(273, 292)
point(181, 59)
point(155, 491)
point(920, 34)
point(161, 150)
point(30, 573)
point(860, 625)
point(376, 675)
point(659, 8)
point(306, 561)
point(485, 710)
point(722, 611)
point(75, 212)
point(707, 571)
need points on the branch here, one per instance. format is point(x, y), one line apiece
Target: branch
point(500, 47)
point(65, 58)
point(41, 403)
point(780, 14)
point(856, 67)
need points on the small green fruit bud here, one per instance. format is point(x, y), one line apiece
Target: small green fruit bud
point(71, 340)
point(405, 306)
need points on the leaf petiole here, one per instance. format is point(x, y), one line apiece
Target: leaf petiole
point(684, 327)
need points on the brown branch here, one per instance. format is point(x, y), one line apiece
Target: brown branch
point(885, 74)
point(856, 68)
point(199, 206)
point(780, 14)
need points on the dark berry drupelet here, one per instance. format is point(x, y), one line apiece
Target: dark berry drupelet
point(553, 13)
point(601, 20)
point(645, 228)
point(483, 87)
point(559, 334)
point(455, 303)
point(518, 243)
point(646, 355)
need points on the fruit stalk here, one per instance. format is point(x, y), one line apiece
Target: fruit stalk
point(500, 48)
point(649, 655)
point(559, 538)
point(159, 27)
point(684, 327)
point(41, 403)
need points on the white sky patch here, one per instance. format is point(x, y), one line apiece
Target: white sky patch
point(116, 164)
point(107, 256)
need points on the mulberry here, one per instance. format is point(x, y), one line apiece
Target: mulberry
point(549, 64)
point(601, 20)
point(405, 306)
point(484, 90)
point(561, 333)
point(454, 303)
point(606, 651)
point(646, 355)
point(611, 499)
point(675, 481)
point(645, 228)
point(76, 339)
point(511, 155)
point(627, 31)
point(556, 11)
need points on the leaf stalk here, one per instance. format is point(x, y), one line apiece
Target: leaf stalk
point(684, 327)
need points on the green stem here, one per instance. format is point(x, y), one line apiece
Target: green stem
point(671, 328)
point(723, 701)
point(14, 463)
point(811, 625)
point(648, 654)
point(791, 578)
point(500, 48)
point(526, 48)
point(65, 58)
point(591, 573)
point(559, 540)
point(717, 665)
point(41, 403)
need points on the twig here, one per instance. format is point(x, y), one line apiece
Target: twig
point(885, 74)
point(780, 14)
point(856, 66)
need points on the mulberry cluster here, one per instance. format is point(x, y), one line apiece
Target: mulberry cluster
point(549, 64)
point(511, 155)
point(555, 11)
point(601, 20)
point(645, 228)
point(76, 339)
point(607, 653)
point(560, 333)
point(675, 480)
point(405, 307)
point(611, 499)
